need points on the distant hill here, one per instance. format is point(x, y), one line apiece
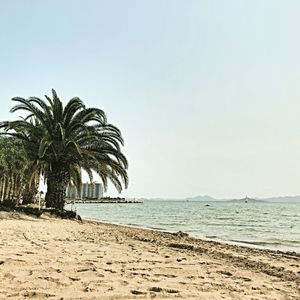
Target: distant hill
point(201, 198)
point(206, 198)
point(246, 200)
point(290, 199)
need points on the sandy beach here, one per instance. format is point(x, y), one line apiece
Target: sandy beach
point(63, 259)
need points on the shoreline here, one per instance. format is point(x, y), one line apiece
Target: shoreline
point(244, 244)
point(89, 259)
point(194, 239)
point(265, 229)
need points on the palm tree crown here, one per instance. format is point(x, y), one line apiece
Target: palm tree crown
point(62, 140)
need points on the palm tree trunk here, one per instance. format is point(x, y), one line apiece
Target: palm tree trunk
point(28, 194)
point(3, 189)
point(30, 191)
point(8, 188)
point(20, 188)
point(14, 184)
point(56, 188)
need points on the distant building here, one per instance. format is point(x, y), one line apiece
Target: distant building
point(71, 193)
point(88, 191)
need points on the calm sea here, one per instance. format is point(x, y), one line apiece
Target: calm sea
point(264, 225)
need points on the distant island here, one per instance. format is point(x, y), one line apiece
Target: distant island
point(246, 200)
point(206, 198)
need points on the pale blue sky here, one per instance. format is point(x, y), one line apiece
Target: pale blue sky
point(206, 93)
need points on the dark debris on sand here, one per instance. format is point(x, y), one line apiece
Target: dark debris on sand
point(35, 211)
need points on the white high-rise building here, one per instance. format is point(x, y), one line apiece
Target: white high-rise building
point(88, 191)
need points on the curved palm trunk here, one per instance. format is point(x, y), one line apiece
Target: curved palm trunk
point(56, 188)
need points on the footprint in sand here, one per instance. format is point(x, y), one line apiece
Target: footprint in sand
point(124, 283)
point(51, 279)
point(15, 296)
point(135, 292)
point(87, 289)
point(110, 270)
point(226, 273)
point(9, 276)
point(74, 279)
point(156, 289)
point(38, 295)
point(29, 252)
point(160, 290)
point(86, 270)
point(172, 291)
point(165, 275)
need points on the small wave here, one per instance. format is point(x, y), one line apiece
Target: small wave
point(234, 225)
point(251, 242)
point(156, 228)
point(132, 224)
point(292, 242)
point(267, 243)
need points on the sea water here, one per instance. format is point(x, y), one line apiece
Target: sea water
point(266, 225)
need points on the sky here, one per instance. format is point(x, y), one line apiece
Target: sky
point(206, 93)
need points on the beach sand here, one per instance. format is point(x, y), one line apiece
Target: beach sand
point(63, 259)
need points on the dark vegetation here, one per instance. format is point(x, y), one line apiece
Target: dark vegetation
point(36, 212)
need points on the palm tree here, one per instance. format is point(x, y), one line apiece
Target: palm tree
point(13, 166)
point(62, 140)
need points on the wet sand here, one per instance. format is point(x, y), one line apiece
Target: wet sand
point(62, 259)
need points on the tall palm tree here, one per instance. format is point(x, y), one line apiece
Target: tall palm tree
point(62, 140)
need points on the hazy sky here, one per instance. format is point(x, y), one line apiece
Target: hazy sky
point(206, 93)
